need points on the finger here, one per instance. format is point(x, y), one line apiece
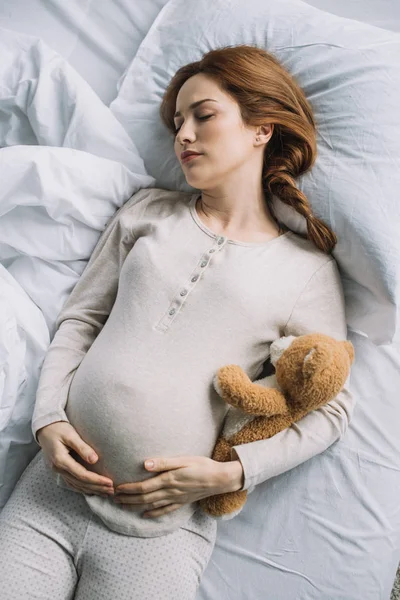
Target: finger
point(74, 441)
point(87, 491)
point(150, 500)
point(86, 479)
point(77, 470)
point(147, 486)
point(74, 487)
point(88, 487)
point(161, 511)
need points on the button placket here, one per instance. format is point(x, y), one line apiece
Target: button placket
point(178, 301)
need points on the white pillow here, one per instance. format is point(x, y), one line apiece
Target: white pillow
point(350, 73)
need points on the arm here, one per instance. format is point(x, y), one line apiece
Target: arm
point(319, 308)
point(83, 316)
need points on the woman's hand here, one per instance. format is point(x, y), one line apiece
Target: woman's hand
point(56, 441)
point(184, 479)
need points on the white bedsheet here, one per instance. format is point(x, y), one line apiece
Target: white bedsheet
point(24, 338)
point(330, 528)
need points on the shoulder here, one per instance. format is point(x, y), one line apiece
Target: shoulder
point(306, 259)
point(153, 202)
point(318, 304)
point(158, 200)
point(318, 278)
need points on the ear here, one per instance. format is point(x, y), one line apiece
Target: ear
point(279, 346)
point(350, 350)
point(264, 133)
point(319, 356)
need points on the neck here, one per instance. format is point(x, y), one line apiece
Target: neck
point(227, 213)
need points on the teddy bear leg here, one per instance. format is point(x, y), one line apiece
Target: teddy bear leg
point(259, 401)
point(259, 398)
point(223, 504)
point(264, 402)
point(228, 502)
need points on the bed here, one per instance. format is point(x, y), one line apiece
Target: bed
point(328, 529)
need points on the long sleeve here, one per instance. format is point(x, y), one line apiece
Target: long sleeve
point(82, 318)
point(319, 308)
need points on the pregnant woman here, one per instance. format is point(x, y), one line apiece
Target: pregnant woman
point(178, 285)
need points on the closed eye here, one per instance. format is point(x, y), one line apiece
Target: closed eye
point(200, 119)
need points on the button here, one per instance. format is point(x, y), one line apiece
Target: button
point(195, 278)
point(183, 293)
point(220, 241)
point(172, 311)
point(203, 264)
point(211, 251)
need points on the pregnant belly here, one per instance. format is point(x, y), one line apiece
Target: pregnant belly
point(127, 417)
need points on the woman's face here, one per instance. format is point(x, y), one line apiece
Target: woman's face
point(213, 128)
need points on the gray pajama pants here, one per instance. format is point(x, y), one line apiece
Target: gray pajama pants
point(52, 547)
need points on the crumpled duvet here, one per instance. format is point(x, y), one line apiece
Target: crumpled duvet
point(66, 166)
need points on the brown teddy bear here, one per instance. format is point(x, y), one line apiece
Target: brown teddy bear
point(310, 370)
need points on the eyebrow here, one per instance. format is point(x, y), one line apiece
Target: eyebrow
point(194, 104)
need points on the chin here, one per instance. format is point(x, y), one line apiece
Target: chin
point(196, 179)
point(195, 182)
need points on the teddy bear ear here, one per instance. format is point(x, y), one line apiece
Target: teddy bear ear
point(350, 350)
point(279, 346)
point(319, 356)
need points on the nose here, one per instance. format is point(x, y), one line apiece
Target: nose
point(185, 135)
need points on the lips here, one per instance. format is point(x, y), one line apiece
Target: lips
point(189, 153)
point(190, 157)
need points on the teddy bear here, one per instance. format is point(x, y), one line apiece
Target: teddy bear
point(310, 370)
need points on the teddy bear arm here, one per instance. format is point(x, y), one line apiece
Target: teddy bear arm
point(263, 401)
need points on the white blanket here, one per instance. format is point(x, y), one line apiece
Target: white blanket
point(66, 166)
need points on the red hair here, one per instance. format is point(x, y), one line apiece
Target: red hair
point(265, 93)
